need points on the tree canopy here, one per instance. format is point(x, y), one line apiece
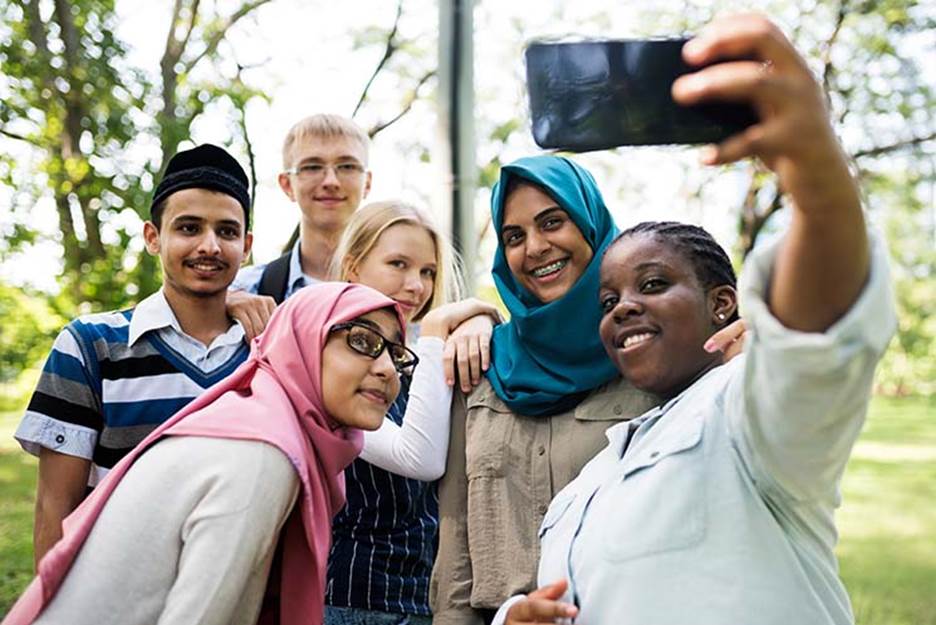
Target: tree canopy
point(100, 128)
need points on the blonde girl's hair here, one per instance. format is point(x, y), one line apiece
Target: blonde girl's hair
point(370, 221)
point(325, 126)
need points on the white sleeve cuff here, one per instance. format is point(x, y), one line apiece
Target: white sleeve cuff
point(37, 430)
point(501, 616)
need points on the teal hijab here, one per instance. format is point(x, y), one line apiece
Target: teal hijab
point(549, 356)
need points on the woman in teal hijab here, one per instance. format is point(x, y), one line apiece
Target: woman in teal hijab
point(548, 396)
point(549, 356)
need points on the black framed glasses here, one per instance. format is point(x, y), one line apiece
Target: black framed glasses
point(369, 342)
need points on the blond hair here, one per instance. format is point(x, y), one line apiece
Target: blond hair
point(323, 126)
point(370, 221)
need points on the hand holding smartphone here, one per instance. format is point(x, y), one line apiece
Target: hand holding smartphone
point(593, 95)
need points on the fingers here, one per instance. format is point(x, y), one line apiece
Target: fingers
point(469, 357)
point(253, 314)
point(734, 349)
point(542, 606)
point(464, 363)
point(260, 312)
point(250, 323)
point(759, 65)
point(550, 591)
point(539, 611)
point(752, 141)
point(742, 36)
point(484, 344)
point(733, 81)
point(244, 316)
point(726, 337)
point(448, 362)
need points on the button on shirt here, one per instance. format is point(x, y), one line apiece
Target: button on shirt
point(720, 507)
point(503, 470)
point(248, 278)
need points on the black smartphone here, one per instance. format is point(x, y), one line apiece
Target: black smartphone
point(594, 95)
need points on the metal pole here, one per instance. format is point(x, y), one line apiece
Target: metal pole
point(456, 125)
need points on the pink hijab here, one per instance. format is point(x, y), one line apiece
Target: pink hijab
point(275, 397)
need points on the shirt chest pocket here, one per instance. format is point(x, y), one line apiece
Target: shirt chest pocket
point(660, 503)
point(558, 508)
point(489, 428)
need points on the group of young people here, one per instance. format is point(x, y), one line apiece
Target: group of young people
point(602, 459)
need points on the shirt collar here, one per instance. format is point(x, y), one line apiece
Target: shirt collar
point(295, 269)
point(154, 313)
point(618, 433)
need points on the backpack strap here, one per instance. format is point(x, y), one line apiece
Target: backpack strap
point(273, 281)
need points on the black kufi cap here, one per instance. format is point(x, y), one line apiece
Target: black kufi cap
point(204, 167)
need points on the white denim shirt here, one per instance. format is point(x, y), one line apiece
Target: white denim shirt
point(719, 510)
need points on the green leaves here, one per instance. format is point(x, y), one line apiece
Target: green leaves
point(68, 89)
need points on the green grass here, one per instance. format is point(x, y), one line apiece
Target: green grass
point(887, 523)
point(17, 492)
point(17, 489)
point(888, 520)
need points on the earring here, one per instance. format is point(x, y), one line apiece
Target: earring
point(721, 316)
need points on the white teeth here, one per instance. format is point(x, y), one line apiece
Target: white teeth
point(637, 338)
point(539, 272)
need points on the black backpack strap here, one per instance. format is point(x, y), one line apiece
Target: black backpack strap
point(273, 281)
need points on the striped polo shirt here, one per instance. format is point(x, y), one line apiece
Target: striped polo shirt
point(102, 391)
point(384, 539)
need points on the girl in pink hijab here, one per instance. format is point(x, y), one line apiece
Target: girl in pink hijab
point(185, 528)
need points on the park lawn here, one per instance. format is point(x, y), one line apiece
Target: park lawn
point(887, 522)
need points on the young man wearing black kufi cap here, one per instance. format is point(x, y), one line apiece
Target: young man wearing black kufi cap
point(112, 377)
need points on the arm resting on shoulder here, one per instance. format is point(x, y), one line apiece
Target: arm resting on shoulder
point(418, 448)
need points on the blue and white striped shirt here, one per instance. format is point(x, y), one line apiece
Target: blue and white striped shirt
point(384, 540)
point(112, 377)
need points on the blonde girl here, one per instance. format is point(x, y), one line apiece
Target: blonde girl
point(383, 540)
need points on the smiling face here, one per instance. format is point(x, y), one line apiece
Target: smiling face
point(327, 200)
point(545, 250)
point(402, 265)
point(201, 242)
point(656, 315)
point(358, 390)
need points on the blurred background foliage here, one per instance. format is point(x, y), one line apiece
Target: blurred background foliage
point(100, 130)
point(98, 127)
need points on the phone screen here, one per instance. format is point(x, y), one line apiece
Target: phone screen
point(593, 95)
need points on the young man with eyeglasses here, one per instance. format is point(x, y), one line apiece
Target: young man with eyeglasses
point(325, 172)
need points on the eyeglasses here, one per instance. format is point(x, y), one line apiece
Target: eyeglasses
point(365, 340)
point(316, 172)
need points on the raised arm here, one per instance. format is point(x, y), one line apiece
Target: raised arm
point(818, 302)
point(794, 138)
point(417, 449)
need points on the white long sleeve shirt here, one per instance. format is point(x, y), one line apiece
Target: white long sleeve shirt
point(418, 448)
